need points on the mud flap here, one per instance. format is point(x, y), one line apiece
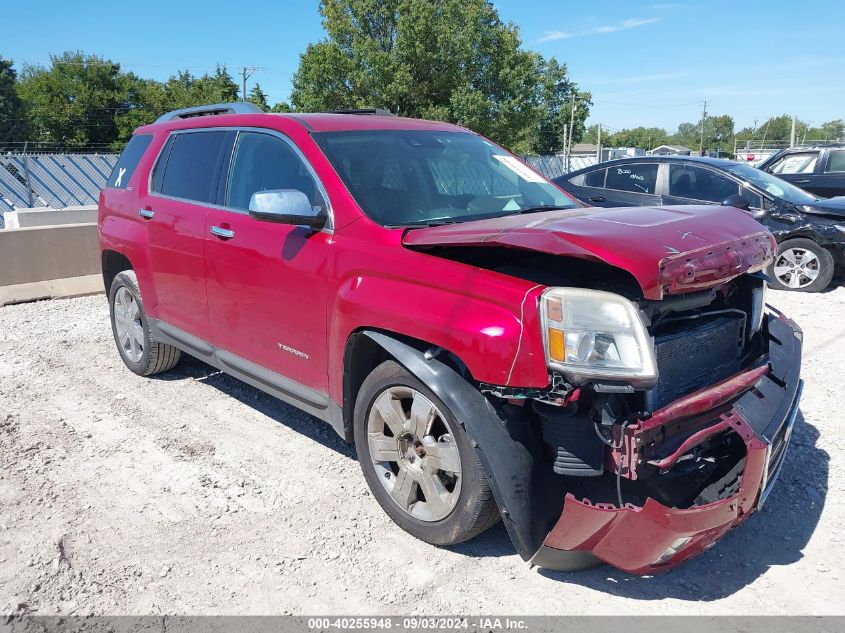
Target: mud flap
point(529, 496)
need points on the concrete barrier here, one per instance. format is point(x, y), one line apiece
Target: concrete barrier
point(49, 261)
point(53, 217)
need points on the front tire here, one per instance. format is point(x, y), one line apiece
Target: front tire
point(801, 265)
point(418, 461)
point(131, 329)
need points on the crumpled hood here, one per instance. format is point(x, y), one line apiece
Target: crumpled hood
point(668, 250)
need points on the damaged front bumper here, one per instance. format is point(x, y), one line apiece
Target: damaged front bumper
point(759, 404)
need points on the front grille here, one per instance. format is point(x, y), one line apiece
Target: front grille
point(696, 354)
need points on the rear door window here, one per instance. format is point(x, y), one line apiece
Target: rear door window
point(803, 163)
point(128, 161)
point(696, 183)
point(192, 168)
point(836, 161)
point(636, 177)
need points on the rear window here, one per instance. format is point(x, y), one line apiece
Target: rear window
point(191, 168)
point(128, 161)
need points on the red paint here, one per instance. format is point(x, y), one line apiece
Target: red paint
point(633, 538)
point(666, 249)
point(275, 286)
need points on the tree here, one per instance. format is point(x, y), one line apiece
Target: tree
point(258, 97)
point(452, 60)
point(13, 128)
point(555, 111)
point(73, 102)
point(642, 137)
point(687, 135)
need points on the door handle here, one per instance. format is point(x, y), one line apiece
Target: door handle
point(597, 199)
point(223, 234)
point(803, 181)
point(147, 214)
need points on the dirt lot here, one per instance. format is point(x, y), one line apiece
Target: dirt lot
point(194, 493)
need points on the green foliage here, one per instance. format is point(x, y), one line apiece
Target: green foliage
point(13, 127)
point(73, 103)
point(84, 100)
point(451, 60)
point(258, 97)
point(557, 93)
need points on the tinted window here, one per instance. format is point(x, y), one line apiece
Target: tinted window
point(836, 161)
point(411, 177)
point(263, 162)
point(128, 161)
point(696, 183)
point(595, 178)
point(795, 164)
point(191, 168)
point(638, 178)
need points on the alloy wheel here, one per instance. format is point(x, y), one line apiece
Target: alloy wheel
point(414, 453)
point(127, 321)
point(797, 267)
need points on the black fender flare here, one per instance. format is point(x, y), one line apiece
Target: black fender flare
point(529, 496)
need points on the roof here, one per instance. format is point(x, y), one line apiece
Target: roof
point(581, 148)
point(715, 162)
point(677, 148)
point(314, 122)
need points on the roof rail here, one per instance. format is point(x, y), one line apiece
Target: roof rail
point(235, 107)
point(370, 111)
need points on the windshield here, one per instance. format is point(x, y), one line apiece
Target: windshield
point(410, 177)
point(771, 184)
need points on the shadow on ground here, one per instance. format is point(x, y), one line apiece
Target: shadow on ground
point(273, 408)
point(774, 536)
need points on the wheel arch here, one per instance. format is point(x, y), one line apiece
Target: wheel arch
point(367, 348)
point(113, 263)
point(511, 456)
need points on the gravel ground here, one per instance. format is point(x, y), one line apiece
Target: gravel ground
point(194, 493)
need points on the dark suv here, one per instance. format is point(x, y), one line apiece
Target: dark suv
point(819, 170)
point(608, 382)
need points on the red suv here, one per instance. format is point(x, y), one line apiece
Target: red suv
point(609, 382)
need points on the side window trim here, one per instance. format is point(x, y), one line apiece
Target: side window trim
point(329, 227)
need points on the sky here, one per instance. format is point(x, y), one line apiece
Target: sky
point(645, 63)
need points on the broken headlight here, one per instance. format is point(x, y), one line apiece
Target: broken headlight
point(590, 334)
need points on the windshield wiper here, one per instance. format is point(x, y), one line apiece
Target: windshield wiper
point(421, 223)
point(542, 207)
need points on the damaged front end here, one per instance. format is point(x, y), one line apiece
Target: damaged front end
point(651, 477)
point(672, 390)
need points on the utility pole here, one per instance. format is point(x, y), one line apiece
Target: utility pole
point(703, 119)
point(246, 73)
point(565, 151)
point(571, 123)
point(598, 145)
point(792, 133)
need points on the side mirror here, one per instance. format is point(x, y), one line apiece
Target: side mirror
point(286, 206)
point(737, 201)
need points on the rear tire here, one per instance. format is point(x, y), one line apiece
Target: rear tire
point(801, 265)
point(402, 463)
point(131, 329)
